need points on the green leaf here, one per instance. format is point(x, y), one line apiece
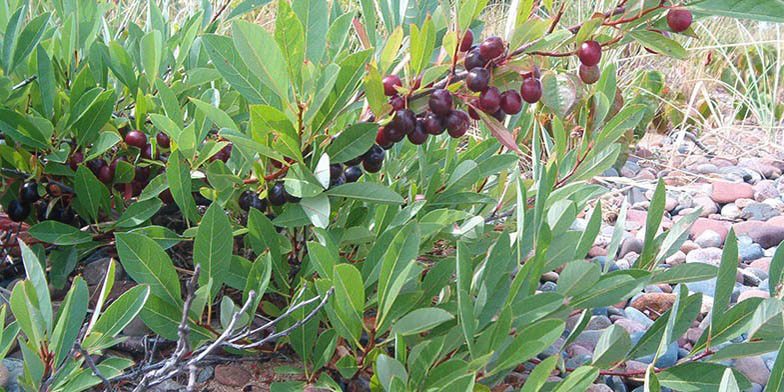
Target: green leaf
point(25, 308)
point(34, 271)
point(246, 6)
point(396, 263)
point(353, 141)
point(212, 247)
point(764, 10)
point(349, 299)
point(150, 48)
point(70, 317)
point(652, 222)
point(729, 325)
point(391, 48)
point(610, 287)
point(387, 369)
point(612, 347)
point(684, 273)
point(776, 271)
point(46, 81)
point(559, 94)
point(366, 191)
point(228, 62)
point(768, 321)
point(728, 382)
point(219, 117)
point(290, 36)
point(104, 142)
point(725, 281)
point(531, 340)
point(94, 117)
point(317, 209)
point(697, 377)
point(539, 375)
point(577, 277)
point(137, 213)
point(420, 320)
point(659, 43)
point(313, 15)
point(465, 302)
point(121, 311)
point(578, 380)
point(178, 175)
point(776, 380)
point(748, 349)
point(29, 38)
point(165, 237)
point(10, 39)
point(262, 55)
point(58, 233)
point(146, 262)
point(163, 318)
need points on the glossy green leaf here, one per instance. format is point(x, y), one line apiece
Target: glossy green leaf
point(146, 262)
point(58, 233)
point(212, 247)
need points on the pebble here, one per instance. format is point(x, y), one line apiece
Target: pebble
point(95, 272)
point(762, 264)
point(753, 293)
point(598, 323)
point(709, 239)
point(205, 374)
point(706, 255)
point(15, 368)
point(730, 211)
point(765, 189)
point(753, 368)
point(702, 224)
point(3, 375)
point(548, 286)
point(706, 204)
point(599, 388)
point(638, 317)
point(677, 258)
point(629, 245)
point(759, 212)
point(727, 192)
point(653, 304)
point(767, 235)
point(232, 375)
point(630, 326)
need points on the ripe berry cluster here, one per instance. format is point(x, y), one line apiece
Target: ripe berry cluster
point(19, 209)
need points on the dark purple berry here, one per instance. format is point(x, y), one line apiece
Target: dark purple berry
point(390, 82)
point(467, 41)
point(440, 102)
point(147, 152)
point(433, 124)
point(95, 165)
point(419, 136)
point(511, 102)
point(18, 211)
point(589, 75)
point(105, 174)
point(589, 53)
point(352, 173)
point(457, 122)
point(499, 115)
point(397, 102)
point(404, 121)
point(679, 19)
point(477, 79)
point(490, 100)
point(136, 139)
point(531, 90)
point(474, 60)
point(163, 139)
point(277, 194)
point(491, 47)
point(29, 193)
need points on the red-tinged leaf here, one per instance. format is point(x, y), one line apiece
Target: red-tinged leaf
point(499, 131)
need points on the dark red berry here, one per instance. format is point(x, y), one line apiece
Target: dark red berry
point(433, 124)
point(373, 166)
point(511, 102)
point(491, 47)
point(277, 194)
point(404, 121)
point(352, 173)
point(390, 135)
point(390, 82)
point(166, 197)
point(245, 199)
point(589, 75)
point(136, 139)
point(381, 140)
point(75, 159)
point(95, 165)
point(105, 174)
point(679, 19)
point(589, 53)
point(335, 170)
point(18, 211)
point(147, 152)
point(29, 193)
point(531, 90)
point(467, 41)
point(225, 153)
point(357, 160)
point(397, 102)
point(457, 122)
point(477, 79)
point(163, 140)
point(474, 60)
point(440, 102)
point(418, 136)
point(490, 100)
point(473, 103)
point(373, 153)
point(141, 174)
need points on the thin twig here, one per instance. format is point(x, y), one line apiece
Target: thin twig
point(91, 364)
point(24, 83)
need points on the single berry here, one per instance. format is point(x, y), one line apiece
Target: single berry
point(224, 154)
point(404, 121)
point(397, 102)
point(67, 215)
point(531, 90)
point(147, 152)
point(490, 100)
point(257, 203)
point(390, 82)
point(491, 47)
point(477, 79)
point(679, 19)
point(276, 163)
point(245, 199)
point(18, 211)
point(511, 102)
point(338, 181)
point(373, 153)
point(372, 166)
point(457, 122)
point(357, 160)
point(440, 102)
point(136, 139)
point(473, 103)
point(29, 193)
point(95, 165)
point(474, 60)
point(390, 135)
point(499, 115)
point(75, 159)
point(589, 53)
point(277, 194)
point(105, 174)
point(589, 75)
point(352, 173)
point(141, 174)
point(467, 41)
point(381, 140)
point(335, 171)
point(433, 124)
point(419, 136)
point(163, 140)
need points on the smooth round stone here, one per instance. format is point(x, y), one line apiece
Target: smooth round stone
point(600, 311)
point(547, 286)
point(611, 172)
point(615, 383)
point(578, 360)
point(730, 211)
point(759, 212)
point(709, 239)
point(764, 285)
point(639, 317)
point(750, 252)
